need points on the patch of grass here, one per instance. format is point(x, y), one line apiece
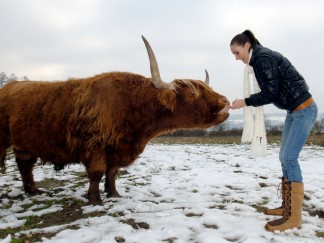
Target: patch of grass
point(121, 173)
point(170, 240)
point(17, 241)
point(79, 183)
point(51, 183)
point(116, 215)
point(234, 239)
point(238, 201)
point(196, 140)
point(313, 139)
point(156, 194)
point(213, 206)
point(233, 188)
point(136, 225)
point(50, 203)
point(259, 208)
point(263, 184)
point(194, 214)
point(5, 232)
point(230, 187)
point(211, 226)
point(72, 211)
point(318, 213)
point(226, 201)
point(320, 234)
point(172, 168)
point(133, 182)
point(306, 197)
point(167, 200)
point(316, 139)
point(139, 184)
point(264, 201)
point(19, 197)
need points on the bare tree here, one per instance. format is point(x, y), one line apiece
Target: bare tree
point(5, 79)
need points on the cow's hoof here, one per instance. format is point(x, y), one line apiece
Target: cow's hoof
point(3, 170)
point(58, 167)
point(2, 167)
point(95, 202)
point(114, 194)
point(33, 192)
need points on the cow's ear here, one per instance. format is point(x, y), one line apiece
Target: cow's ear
point(167, 98)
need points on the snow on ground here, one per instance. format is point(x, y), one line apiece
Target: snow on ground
point(176, 193)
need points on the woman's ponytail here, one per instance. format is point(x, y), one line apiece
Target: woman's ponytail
point(245, 36)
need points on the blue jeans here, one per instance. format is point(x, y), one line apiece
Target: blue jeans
point(295, 132)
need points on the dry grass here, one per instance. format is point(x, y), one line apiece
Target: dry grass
point(314, 139)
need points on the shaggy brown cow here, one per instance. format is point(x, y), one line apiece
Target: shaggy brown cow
point(104, 121)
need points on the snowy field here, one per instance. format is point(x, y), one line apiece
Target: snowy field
point(172, 193)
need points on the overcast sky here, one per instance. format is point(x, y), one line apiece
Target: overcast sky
point(57, 40)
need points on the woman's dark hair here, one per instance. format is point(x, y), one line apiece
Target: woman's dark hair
point(245, 36)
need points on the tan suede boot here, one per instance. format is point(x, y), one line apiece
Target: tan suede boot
point(278, 211)
point(292, 209)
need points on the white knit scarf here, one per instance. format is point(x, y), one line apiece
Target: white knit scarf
point(254, 128)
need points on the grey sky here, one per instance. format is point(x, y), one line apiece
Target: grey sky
point(56, 40)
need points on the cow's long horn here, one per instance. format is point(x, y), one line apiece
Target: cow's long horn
point(156, 78)
point(207, 77)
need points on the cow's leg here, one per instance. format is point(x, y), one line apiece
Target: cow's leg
point(25, 166)
point(4, 144)
point(110, 183)
point(2, 159)
point(96, 170)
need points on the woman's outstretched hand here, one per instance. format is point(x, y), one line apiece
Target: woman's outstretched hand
point(237, 104)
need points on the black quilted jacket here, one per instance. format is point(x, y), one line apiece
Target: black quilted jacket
point(279, 81)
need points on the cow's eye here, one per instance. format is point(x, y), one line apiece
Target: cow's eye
point(193, 93)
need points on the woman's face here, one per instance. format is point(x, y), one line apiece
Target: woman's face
point(241, 52)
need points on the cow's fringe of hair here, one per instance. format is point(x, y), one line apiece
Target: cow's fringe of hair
point(190, 83)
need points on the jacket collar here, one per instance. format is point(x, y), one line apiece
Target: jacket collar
point(256, 50)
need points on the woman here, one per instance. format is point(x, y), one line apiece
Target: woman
point(282, 85)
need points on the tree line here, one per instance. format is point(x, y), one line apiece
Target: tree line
point(5, 79)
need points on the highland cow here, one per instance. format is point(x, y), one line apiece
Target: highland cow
point(103, 121)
